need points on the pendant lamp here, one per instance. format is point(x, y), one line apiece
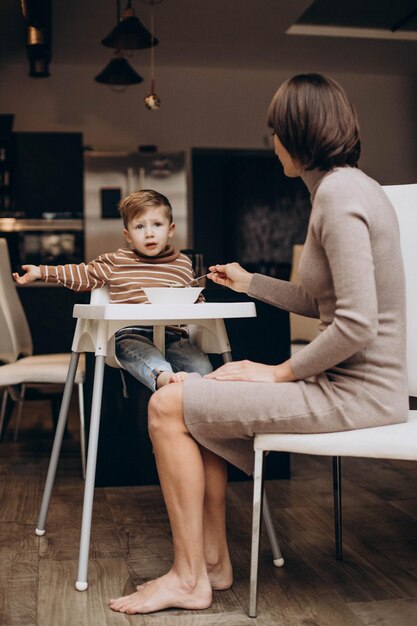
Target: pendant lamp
point(129, 33)
point(119, 72)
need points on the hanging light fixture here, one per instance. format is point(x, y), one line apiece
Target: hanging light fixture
point(119, 72)
point(129, 33)
point(152, 101)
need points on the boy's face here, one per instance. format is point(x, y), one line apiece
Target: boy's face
point(150, 231)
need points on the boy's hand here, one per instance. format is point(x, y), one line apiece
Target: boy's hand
point(32, 273)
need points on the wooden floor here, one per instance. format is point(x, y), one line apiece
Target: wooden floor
point(375, 585)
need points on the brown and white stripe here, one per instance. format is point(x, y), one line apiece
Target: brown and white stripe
point(124, 271)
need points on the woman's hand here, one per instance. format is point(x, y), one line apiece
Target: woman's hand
point(231, 275)
point(254, 372)
point(32, 273)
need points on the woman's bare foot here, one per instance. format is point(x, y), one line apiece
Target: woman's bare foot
point(165, 378)
point(169, 591)
point(220, 576)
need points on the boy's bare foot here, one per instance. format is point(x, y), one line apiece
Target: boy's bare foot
point(169, 591)
point(165, 378)
point(178, 377)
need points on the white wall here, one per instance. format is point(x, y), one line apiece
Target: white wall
point(207, 108)
point(201, 108)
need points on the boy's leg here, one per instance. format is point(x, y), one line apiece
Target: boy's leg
point(184, 356)
point(141, 358)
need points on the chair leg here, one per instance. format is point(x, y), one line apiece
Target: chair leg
point(256, 529)
point(81, 582)
point(82, 426)
point(56, 448)
point(337, 499)
point(20, 402)
point(3, 410)
point(270, 529)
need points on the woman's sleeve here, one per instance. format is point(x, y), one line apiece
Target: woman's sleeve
point(343, 232)
point(283, 294)
point(81, 277)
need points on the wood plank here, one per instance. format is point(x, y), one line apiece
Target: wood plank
point(68, 607)
point(18, 574)
point(387, 612)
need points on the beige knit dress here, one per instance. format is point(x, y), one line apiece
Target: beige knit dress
point(353, 375)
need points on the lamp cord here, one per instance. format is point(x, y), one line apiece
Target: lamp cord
point(152, 56)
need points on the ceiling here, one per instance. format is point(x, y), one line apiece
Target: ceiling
point(231, 33)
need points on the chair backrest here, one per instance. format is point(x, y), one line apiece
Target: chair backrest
point(15, 336)
point(404, 200)
point(101, 295)
point(205, 339)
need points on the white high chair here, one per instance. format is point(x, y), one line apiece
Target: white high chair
point(96, 327)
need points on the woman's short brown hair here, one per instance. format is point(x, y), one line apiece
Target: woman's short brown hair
point(140, 201)
point(315, 122)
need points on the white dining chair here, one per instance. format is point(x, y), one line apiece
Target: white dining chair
point(397, 441)
point(19, 367)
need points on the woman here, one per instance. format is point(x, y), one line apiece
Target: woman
point(352, 375)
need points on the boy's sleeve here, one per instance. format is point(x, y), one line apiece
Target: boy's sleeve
point(81, 277)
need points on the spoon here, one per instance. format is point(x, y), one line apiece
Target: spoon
point(194, 280)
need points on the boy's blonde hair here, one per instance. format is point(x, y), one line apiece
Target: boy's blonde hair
point(140, 201)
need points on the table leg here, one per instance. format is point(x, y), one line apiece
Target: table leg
point(56, 449)
point(81, 583)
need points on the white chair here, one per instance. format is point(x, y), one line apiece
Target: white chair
point(20, 367)
point(302, 329)
point(398, 441)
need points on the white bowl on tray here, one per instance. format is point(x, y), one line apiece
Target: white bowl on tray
point(172, 295)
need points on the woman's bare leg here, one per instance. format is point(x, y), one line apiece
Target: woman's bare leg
point(216, 551)
point(181, 473)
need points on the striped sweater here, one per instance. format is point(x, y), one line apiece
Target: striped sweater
point(125, 272)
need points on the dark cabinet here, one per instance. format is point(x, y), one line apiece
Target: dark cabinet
point(6, 122)
point(48, 309)
point(41, 197)
point(47, 175)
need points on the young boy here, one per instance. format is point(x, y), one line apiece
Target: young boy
point(151, 262)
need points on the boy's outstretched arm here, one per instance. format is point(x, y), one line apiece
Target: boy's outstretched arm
point(32, 273)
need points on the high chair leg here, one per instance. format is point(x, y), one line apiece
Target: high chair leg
point(270, 529)
point(56, 449)
point(81, 582)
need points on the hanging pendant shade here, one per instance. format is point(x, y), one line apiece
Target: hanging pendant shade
point(129, 34)
point(119, 72)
